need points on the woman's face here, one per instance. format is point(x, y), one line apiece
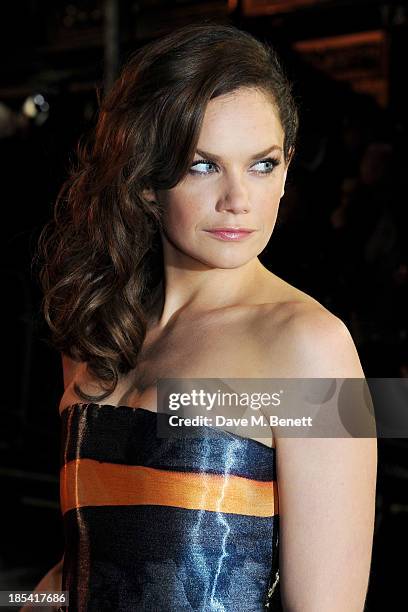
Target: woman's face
point(236, 180)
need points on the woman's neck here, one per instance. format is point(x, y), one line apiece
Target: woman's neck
point(201, 292)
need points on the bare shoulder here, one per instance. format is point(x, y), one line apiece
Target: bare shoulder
point(313, 342)
point(72, 371)
point(77, 374)
point(69, 367)
point(322, 343)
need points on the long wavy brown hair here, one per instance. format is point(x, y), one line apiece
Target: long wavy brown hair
point(101, 260)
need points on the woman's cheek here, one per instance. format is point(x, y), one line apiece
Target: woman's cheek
point(181, 221)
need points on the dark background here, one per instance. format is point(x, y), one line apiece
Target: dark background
point(341, 232)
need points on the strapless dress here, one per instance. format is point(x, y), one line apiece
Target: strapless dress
point(165, 524)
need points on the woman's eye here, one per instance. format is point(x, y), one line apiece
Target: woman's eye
point(199, 167)
point(269, 165)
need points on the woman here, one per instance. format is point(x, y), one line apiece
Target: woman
point(152, 272)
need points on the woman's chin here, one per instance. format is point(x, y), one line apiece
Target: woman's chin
point(228, 261)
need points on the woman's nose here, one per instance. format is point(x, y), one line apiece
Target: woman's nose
point(234, 198)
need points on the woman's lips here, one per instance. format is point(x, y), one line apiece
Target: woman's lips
point(232, 235)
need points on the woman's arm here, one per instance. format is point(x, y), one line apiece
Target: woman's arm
point(52, 581)
point(326, 488)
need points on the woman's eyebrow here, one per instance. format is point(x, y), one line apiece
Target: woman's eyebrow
point(256, 156)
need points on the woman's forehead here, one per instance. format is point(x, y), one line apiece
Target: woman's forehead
point(247, 121)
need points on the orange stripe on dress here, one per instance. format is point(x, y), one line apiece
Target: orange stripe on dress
point(86, 482)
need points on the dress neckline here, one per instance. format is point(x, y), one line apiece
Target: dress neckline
point(81, 405)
